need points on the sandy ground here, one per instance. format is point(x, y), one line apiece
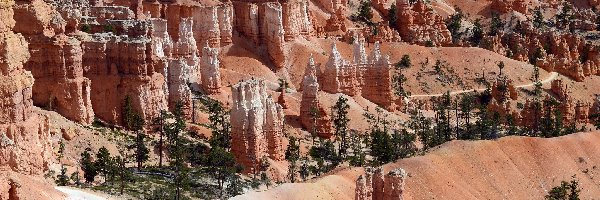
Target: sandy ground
point(76, 194)
point(508, 168)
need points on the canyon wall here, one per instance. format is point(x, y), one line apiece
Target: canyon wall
point(256, 124)
point(56, 62)
point(270, 24)
point(25, 145)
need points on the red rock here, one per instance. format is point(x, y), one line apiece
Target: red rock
point(310, 103)
point(419, 24)
point(24, 136)
point(256, 124)
point(374, 185)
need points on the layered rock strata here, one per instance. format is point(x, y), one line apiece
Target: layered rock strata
point(364, 76)
point(256, 124)
point(311, 111)
point(122, 66)
point(419, 24)
point(553, 51)
point(375, 185)
point(210, 71)
point(24, 135)
point(56, 62)
point(271, 24)
point(506, 6)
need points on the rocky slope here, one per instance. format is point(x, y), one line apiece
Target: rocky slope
point(508, 168)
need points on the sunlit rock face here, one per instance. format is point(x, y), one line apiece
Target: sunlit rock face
point(256, 124)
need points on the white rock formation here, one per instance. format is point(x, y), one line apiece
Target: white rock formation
point(256, 124)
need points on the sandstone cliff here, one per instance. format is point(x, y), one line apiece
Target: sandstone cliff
point(25, 145)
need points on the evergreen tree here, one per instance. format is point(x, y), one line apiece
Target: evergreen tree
point(477, 33)
point(403, 143)
point(364, 13)
point(421, 125)
point(325, 153)
point(104, 163)
point(304, 169)
point(565, 191)
point(236, 186)
point(565, 16)
point(88, 166)
point(536, 103)
point(466, 107)
point(454, 23)
point(398, 79)
point(131, 119)
point(221, 165)
point(160, 125)
point(538, 19)
point(340, 123)
point(393, 15)
point(141, 151)
point(283, 85)
point(219, 123)
point(519, 29)
point(314, 116)
point(75, 178)
point(380, 139)
point(62, 179)
point(380, 147)
point(496, 25)
point(123, 174)
point(512, 129)
point(292, 154)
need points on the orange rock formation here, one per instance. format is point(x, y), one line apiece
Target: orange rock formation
point(256, 124)
point(24, 135)
point(419, 24)
point(374, 185)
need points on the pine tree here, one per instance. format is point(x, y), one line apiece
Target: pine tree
point(358, 157)
point(314, 116)
point(62, 178)
point(292, 154)
point(477, 33)
point(340, 123)
point(283, 85)
point(89, 168)
point(421, 125)
point(104, 163)
point(538, 19)
point(466, 107)
point(160, 125)
point(398, 79)
point(403, 143)
point(496, 25)
point(565, 16)
point(380, 138)
point(75, 178)
point(304, 169)
point(221, 166)
point(565, 191)
point(364, 13)
point(454, 23)
point(325, 153)
point(393, 15)
point(537, 105)
point(141, 151)
point(219, 123)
